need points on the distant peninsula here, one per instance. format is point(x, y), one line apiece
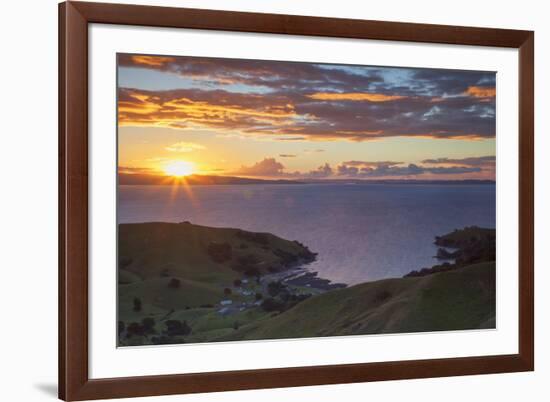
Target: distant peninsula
point(128, 179)
point(194, 179)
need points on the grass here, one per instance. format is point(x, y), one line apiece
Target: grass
point(151, 250)
point(455, 300)
point(154, 256)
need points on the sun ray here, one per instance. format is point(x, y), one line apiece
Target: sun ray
point(178, 168)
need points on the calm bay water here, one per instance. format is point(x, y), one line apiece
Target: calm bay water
point(361, 232)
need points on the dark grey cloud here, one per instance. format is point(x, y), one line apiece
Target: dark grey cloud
point(473, 161)
point(268, 167)
point(384, 170)
point(298, 101)
point(321, 172)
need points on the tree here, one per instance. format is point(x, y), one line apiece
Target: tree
point(258, 296)
point(134, 328)
point(237, 283)
point(252, 272)
point(123, 262)
point(175, 327)
point(121, 327)
point(274, 288)
point(270, 304)
point(148, 324)
point(227, 292)
point(137, 304)
point(174, 283)
point(220, 252)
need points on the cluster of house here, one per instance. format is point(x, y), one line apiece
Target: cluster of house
point(228, 305)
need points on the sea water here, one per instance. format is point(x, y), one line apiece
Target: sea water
point(361, 232)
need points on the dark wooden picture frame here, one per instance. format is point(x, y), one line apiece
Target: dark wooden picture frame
point(74, 381)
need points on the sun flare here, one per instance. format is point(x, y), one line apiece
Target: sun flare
point(179, 168)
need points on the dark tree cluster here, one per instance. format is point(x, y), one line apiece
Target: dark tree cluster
point(280, 304)
point(177, 328)
point(274, 288)
point(220, 252)
point(174, 283)
point(470, 245)
point(382, 296)
point(259, 238)
point(137, 304)
point(123, 262)
point(248, 265)
point(143, 328)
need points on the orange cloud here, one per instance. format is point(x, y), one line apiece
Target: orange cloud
point(137, 108)
point(183, 146)
point(152, 61)
point(355, 96)
point(481, 92)
point(200, 109)
point(287, 116)
point(138, 104)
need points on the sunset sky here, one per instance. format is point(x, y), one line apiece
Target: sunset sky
point(267, 119)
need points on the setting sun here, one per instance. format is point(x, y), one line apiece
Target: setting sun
point(179, 168)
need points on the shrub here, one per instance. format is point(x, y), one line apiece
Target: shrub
point(259, 238)
point(284, 295)
point(174, 283)
point(286, 258)
point(137, 304)
point(270, 304)
point(175, 327)
point(382, 296)
point(148, 325)
point(134, 328)
point(123, 262)
point(252, 272)
point(220, 252)
point(246, 263)
point(121, 327)
point(258, 296)
point(274, 288)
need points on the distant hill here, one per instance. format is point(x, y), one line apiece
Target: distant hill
point(195, 179)
point(397, 181)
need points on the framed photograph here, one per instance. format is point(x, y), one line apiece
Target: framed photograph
point(257, 201)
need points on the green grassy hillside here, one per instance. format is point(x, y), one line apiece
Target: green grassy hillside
point(459, 299)
point(184, 272)
point(199, 253)
point(184, 283)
